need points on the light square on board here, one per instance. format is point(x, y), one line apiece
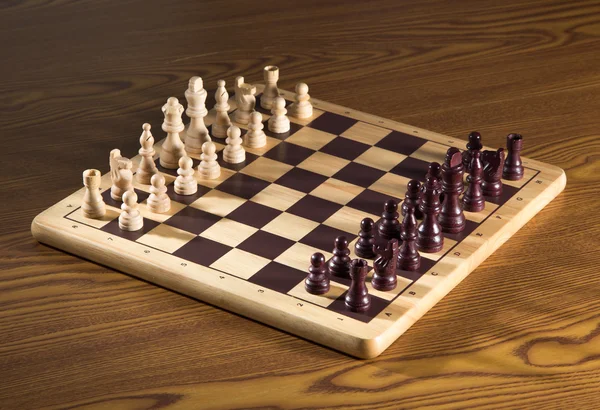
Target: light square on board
point(448, 244)
point(267, 169)
point(311, 138)
point(290, 226)
point(111, 214)
point(146, 213)
point(240, 263)
point(218, 203)
point(298, 256)
point(480, 216)
point(335, 291)
point(337, 191)
point(348, 219)
point(365, 133)
point(323, 164)
point(305, 121)
point(391, 184)
point(229, 232)
point(431, 152)
point(166, 238)
point(211, 183)
point(278, 197)
point(527, 175)
point(402, 284)
point(271, 142)
point(380, 158)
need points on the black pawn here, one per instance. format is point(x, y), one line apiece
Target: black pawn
point(473, 200)
point(429, 232)
point(474, 144)
point(317, 281)
point(339, 265)
point(384, 278)
point(357, 297)
point(408, 256)
point(513, 167)
point(413, 198)
point(389, 227)
point(366, 239)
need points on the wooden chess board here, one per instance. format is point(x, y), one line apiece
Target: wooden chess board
point(243, 242)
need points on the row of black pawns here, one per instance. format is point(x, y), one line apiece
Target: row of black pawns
point(399, 244)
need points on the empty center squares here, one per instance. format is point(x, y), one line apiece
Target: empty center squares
point(311, 138)
point(337, 191)
point(240, 263)
point(323, 164)
point(365, 133)
point(267, 169)
point(290, 226)
point(218, 203)
point(380, 158)
point(229, 232)
point(278, 197)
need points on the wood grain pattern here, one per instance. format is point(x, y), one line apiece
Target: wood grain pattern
point(75, 334)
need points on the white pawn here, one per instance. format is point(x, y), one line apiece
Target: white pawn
point(255, 137)
point(222, 121)
point(158, 201)
point(147, 166)
point(172, 147)
point(130, 218)
point(279, 122)
point(92, 205)
point(234, 153)
point(209, 168)
point(185, 184)
point(302, 108)
point(196, 133)
point(120, 174)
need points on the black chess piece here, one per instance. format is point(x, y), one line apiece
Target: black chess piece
point(473, 200)
point(474, 144)
point(384, 278)
point(513, 167)
point(366, 239)
point(357, 297)
point(317, 281)
point(429, 232)
point(451, 217)
point(413, 198)
point(389, 227)
point(408, 256)
point(493, 165)
point(435, 170)
point(339, 265)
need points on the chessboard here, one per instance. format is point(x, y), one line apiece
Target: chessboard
point(243, 241)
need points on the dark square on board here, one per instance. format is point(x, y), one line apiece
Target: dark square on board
point(192, 220)
point(332, 123)
point(216, 139)
point(401, 142)
point(266, 244)
point(242, 185)
point(315, 209)
point(250, 158)
point(173, 172)
point(202, 251)
point(371, 201)
point(185, 199)
point(113, 228)
point(345, 148)
point(253, 214)
point(508, 192)
point(284, 135)
point(469, 228)
point(323, 237)
point(377, 306)
point(301, 180)
point(412, 168)
point(426, 265)
point(278, 277)
point(142, 196)
point(291, 154)
point(359, 174)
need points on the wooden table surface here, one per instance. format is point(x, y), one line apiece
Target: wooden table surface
point(78, 78)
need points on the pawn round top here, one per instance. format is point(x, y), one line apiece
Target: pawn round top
point(196, 84)
point(391, 206)
point(434, 169)
point(474, 141)
point(453, 157)
point(185, 162)
point(130, 198)
point(366, 225)
point(413, 186)
point(341, 243)
point(172, 101)
point(301, 88)
point(255, 117)
point(234, 132)
point(146, 126)
point(157, 180)
point(317, 259)
point(279, 103)
point(221, 83)
point(209, 148)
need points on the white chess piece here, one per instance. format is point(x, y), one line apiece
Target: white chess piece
point(92, 205)
point(185, 184)
point(222, 121)
point(244, 101)
point(302, 108)
point(209, 168)
point(270, 92)
point(120, 174)
point(158, 202)
point(130, 218)
point(147, 167)
point(234, 153)
point(279, 122)
point(172, 147)
point(196, 133)
point(255, 137)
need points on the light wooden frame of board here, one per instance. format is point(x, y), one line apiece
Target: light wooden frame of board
point(363, 340)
